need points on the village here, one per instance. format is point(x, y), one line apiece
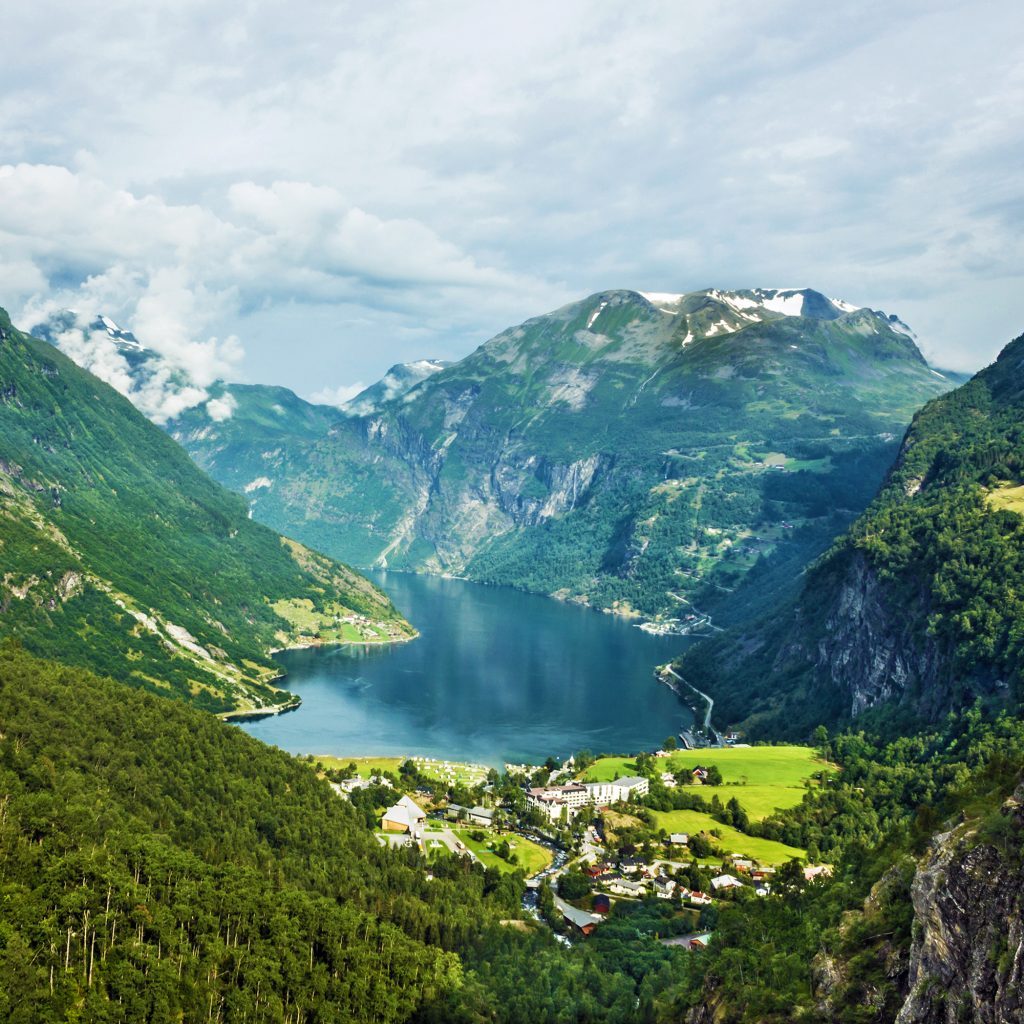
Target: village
point(584, 836)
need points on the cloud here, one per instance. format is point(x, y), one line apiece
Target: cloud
point(174, 273)
point(160, 388)
point(222, 408)
point(353, 185)
point(337, 396)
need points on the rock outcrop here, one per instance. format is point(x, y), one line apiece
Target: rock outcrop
point(967, 959)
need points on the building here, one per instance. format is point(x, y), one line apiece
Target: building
point(816, 870)
point(602, 904)
point(482, 816)
point(405, 816)
point(605, 793)
point(580, 919)
point(725, 882)
point(624, 887)
point(456, 812)
point(553, 800)
point(668, 779)
point(664, 887)
point(679, 838)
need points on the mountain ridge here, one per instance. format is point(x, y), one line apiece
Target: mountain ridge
point(912, 612)
point(120, 555)
point(593, 452)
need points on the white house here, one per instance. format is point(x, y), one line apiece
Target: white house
point(725, 882)
point(552, 800)
point(624, 887)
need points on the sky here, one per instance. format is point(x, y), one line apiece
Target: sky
point(305, 193)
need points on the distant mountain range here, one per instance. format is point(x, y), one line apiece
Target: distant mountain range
point(122, 556)
point(643, 453)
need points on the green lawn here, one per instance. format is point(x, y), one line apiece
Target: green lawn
point(1008, 497)
point(530, 857)
point(766, 851)
point(763, 779)
point(365, 766)
point(757, 801)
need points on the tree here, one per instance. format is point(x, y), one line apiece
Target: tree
point(822, 743)
point(573, 885)
point(670, 743)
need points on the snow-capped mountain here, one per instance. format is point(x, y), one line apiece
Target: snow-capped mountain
point(149, 380)
point(398, 381)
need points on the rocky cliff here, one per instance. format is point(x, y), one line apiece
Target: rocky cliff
point(917, 606)
point(967, 958)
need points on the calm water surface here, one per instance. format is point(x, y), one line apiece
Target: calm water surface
point(496, 675)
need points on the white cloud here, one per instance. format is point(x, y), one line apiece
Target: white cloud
point(351, 185)
point(222, 408)
point(337, 396)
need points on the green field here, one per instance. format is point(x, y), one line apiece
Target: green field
point(762, 779)
point(1008, 497)
point(531, 857)
point(766, 851)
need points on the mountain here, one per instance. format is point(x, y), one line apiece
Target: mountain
point(641, 453)
point(120, 555)
point(917, 609)
point(158, 387)
point(396, 383)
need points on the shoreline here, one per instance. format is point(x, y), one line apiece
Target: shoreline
point(662, 673)
point(248, 714)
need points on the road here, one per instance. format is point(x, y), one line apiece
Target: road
point(707, 717)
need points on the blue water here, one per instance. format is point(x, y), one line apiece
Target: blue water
point(496, 675)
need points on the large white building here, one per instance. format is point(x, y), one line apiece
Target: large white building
point(552, 800)
point(605, 793)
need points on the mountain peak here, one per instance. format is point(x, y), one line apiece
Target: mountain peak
point(396, 383)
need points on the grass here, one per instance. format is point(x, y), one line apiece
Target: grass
point(530, 857)
point(1008, 497)
point(327, 626)
point(763, 779)
point(765, 851)
point(365, 766)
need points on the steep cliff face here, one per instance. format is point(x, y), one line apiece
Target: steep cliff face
point(919, 603)
point(967, 959)
point(872, 647)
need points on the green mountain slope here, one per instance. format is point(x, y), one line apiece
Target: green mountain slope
point(159, 865)
point(634, 453)
point(119, 555)
point(919, 607)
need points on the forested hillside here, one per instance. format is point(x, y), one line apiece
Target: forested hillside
point(918, 608)
point(119, 555)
